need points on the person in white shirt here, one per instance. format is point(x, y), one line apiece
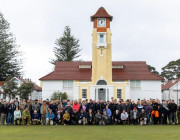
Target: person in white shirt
point(124, 117)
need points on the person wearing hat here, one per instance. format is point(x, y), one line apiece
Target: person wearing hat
point(142, 117)
point(134, 116)
point(43, 111)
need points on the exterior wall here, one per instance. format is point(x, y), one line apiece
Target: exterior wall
point(101, 64)
point(149, 89)
point(35, 95)
point(172, 93)
point(49, 87)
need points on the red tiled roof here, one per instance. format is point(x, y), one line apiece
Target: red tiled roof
point(101, 13)
point(169, 84)
point(133, 70)
point(38, 88)
point(1, 83)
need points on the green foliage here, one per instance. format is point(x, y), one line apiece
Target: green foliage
point(67, 47)
point(153, 69)
point(10, 64)
point(10, 88)
point(25, 89)
point(171, 70)
point(59, 95)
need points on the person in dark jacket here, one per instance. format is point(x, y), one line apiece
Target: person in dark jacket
point(68, 108)
point(155, 112)
point(142, 117)
point(36, 118)
point(165, 111)
point(91, 106)
point(173, 111)
point(11, 109)
point(82, 118)
point(178, 113)
point(59, 118)
point(3, 111)
point(90, 117)
point(117, 117)
point(74, 117)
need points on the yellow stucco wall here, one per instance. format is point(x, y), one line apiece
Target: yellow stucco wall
point(101, 67)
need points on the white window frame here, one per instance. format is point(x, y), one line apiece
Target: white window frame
point(67, 85)
point(135, 84)
point(117, 93)
point(84, 89)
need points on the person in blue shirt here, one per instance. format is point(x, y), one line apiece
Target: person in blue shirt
point(11, 108)
point(109, 113)
point(50, 117)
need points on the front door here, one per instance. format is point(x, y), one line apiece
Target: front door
point(102, 94)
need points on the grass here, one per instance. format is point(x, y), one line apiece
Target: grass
point(114, 132)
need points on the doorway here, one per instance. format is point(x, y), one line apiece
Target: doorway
point(102, 94)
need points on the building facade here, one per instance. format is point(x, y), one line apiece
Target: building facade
point(102, 78)
point(171, 90)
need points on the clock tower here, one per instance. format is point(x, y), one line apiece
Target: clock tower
point(101, 48)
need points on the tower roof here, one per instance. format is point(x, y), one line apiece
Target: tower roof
point(101, 13)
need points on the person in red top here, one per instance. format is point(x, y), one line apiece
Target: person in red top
point(76, 106)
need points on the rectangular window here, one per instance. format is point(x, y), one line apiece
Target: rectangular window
point(135, 85)
point(101, 38)
point(119, 93)
point(84, 93)
point(67, 84)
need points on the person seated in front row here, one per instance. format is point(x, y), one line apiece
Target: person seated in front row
point(142, 117)
point(50, 117)
point(105, 118)
point(35, 118)
point(117, 117)
point(66, 118)
point(74, 117)
point(26, 117)
point(124, 117)
point(17, 116)
point(98, 118)
point(90, 117)
point(82, 118)
point(134, 116)
point(59, 118)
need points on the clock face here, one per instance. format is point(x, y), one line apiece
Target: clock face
point(101, 22)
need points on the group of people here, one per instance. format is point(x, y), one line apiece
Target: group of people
point(78, 112)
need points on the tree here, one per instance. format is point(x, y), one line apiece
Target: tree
point(59, 95)
point(171, 70)
point(153, 69)
point(67, 47)
point(10, 64)
point(25, 90)
point(10, 88)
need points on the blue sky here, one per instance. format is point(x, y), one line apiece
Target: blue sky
point(142, 30)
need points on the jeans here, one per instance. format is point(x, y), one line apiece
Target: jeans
point(148, 118)
point(10, 118)
point(43, 118)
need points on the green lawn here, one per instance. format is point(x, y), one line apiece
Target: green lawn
point(115, 132)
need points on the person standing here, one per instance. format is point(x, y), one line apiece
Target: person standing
point(178, 112)
point(44, 110)
point(3, 110)
point(11, 109)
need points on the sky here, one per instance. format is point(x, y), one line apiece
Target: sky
point(142, 30)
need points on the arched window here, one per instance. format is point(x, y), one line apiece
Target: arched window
point(101, 82)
